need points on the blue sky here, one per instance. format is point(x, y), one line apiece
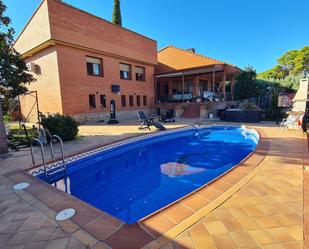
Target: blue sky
point(242, 32)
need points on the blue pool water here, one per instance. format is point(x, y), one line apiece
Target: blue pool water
point(134, 180)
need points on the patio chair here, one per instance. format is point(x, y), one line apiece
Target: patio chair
point(292, 121)
point(144, 121)
point(168, 116)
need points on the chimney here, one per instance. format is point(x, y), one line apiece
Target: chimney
point(191, 50)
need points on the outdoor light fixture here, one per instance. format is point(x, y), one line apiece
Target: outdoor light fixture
point(65, 214)
point(21, 186)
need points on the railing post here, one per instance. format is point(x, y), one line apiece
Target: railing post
point(30, 144)
point(62, 152)
point(50, 143)
point(43, 156)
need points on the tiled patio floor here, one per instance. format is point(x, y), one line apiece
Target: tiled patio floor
point(265, 213)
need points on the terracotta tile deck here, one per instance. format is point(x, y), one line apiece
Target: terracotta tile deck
point(259, 204)
point(271, 211)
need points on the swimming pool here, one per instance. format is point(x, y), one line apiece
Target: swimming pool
point(134, 179)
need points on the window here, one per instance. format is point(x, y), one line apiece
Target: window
point(144, 100)
point(140, 73)
point(131, 102)
point(94, 66)
point(92, 101)
point(103, 101)
point(125, 71)
point(123, 101)
point(138, 100)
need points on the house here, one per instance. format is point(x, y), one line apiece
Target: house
point(82, 62)
point(183, 75)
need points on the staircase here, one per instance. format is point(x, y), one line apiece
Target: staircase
point(192, 110)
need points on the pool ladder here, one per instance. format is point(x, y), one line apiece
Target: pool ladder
point(51, 175)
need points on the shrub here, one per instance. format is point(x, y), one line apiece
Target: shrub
point(6, 118)
point(249, 107)
point(245, 85)
point(63, 126)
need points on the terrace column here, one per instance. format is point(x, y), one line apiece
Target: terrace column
point(155, 90)
point(213, 80)
point(170, 87)
point(224, 84)
point(183, 87)
point(195, 86)
point(232, 86)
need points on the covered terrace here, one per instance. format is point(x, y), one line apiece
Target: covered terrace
point(183, 75)
point(208, 83)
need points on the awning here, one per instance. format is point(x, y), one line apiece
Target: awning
point(192, 71)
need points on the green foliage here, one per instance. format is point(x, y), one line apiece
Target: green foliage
point(63, 126)
point(289, 68)
point(117, 13)
point(13, 70)
point(6, 118)
point(290, 82)
point(249, 107)
point(18, 138)
point(246, 85)
point(272, 112)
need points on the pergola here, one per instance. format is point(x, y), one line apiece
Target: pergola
point(212, 74)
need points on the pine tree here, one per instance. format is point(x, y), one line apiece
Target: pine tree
point(117, 13)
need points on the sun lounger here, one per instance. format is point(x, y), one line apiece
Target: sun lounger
point(145, 122)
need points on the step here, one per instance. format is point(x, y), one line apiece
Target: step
point(191, 111)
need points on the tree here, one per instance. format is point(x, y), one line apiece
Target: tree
point(293, 62)
point(13, 70)
point(246, 86)
point(117, 13)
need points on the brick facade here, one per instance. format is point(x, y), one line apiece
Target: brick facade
point(60, 52)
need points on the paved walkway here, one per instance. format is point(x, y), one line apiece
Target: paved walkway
point(267, 213)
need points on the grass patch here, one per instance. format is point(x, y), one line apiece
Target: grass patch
point(18, 138)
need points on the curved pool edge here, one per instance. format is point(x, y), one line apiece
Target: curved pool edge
point(159, 228)
point(207, 184)
point(253, 163)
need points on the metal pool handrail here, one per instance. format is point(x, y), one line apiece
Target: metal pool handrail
point(50, 142)
point(62, 153)
point(43, 156)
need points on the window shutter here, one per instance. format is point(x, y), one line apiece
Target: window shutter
point(125, 67)
point(140, 70)
point(94, 60)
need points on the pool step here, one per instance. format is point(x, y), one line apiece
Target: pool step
point(192, 110)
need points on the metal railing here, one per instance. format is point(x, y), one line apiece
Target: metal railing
point(51, 138)
point(42, 155)
point(62, 152)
